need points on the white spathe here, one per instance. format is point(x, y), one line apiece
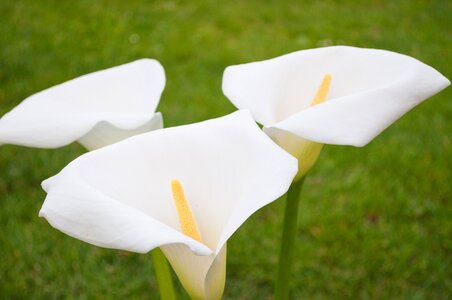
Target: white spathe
point(120, 196)
point(96, 109)
point(370, 90)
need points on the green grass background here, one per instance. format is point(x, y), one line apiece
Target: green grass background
point(375, 222)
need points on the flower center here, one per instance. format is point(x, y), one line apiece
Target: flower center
point(186, 219)
point(322, 92)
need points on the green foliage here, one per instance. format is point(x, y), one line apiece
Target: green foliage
point(374, 222)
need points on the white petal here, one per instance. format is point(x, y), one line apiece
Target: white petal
point(105, 133)
point(227, 166)
point(370, 90)
point(203, 277)
point(80, 210)
point(119, 101)
point(307, 152)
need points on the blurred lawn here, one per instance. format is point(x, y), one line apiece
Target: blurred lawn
point(375, 222)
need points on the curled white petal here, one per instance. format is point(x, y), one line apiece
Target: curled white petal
point(118, 102)
point(370, 90)
point(88, 214)
point(306, 151)
point(228, 169)
point(106, 133)
point(203, 277)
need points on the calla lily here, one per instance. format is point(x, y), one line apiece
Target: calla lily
point(185, 189)
point(96, 109)
point(334, 95)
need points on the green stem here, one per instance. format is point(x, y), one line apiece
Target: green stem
point(282, 289)
point(163, 274)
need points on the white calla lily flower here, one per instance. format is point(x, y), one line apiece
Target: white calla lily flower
point(96, 109)
point(185, 189)
point(334, 95)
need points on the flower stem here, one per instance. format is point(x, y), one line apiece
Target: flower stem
point(282, 289)
point(162, 272)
